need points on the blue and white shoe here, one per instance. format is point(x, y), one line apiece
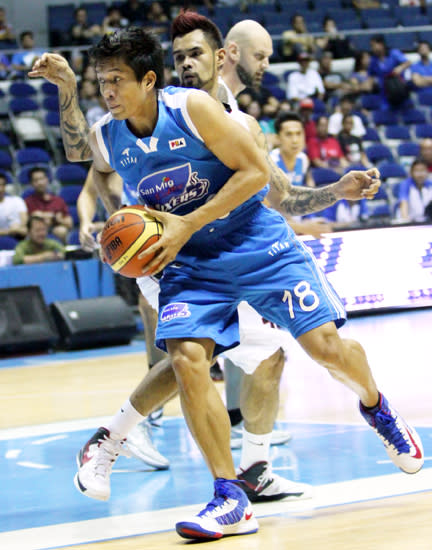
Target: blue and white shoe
point(402, 443)
point(229, 513)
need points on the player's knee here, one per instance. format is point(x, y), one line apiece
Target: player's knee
point(189, 361)
point(328, 350)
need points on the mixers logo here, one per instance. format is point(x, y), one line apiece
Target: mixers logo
point(174, 311)
point(169, 189)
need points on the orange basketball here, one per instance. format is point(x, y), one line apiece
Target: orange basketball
point(125, 235)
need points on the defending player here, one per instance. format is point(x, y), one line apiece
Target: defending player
point(227, 247)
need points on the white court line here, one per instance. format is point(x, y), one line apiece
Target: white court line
point(333, 494)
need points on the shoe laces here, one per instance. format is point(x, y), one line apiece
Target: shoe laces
point(223, 491)
point(105, 456)
point(388, 428)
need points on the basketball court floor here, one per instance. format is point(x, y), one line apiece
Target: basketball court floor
point(51, 404)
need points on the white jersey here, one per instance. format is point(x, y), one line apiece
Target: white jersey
point(259, 339)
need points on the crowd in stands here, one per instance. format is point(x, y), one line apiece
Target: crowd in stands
point(319, 122)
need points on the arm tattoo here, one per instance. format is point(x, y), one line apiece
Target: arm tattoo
point(299, 200)
point(74, 128)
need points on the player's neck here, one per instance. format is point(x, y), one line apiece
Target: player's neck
point(144, 121)
point(289, 159)
point(231, 79)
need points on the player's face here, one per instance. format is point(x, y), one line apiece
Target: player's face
point(291, 137)
point(123, 95)
point(195, 61)
point(254, 61)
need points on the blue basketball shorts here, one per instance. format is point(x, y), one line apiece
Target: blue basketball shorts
point(259, 260)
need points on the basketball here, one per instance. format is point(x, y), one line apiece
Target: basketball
point(125, 235)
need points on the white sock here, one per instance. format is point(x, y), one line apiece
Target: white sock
point(255, 448)
point(126, 418)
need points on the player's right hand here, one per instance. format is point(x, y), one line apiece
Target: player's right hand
point(86, 238)
point(54, 68)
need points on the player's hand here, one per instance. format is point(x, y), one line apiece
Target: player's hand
point(357, 184)
point(100, 249)
point(176, 232)
point(54, 68)
point(87, 241)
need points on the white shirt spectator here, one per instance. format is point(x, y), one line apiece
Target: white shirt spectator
point(10, 210)
point(335, 125)
point(301, 85)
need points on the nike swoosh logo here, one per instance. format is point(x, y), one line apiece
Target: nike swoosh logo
point(257, 444)
point(418, 451)
point(248, 516)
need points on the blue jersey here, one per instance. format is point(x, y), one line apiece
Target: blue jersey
point(171, 170)
point(250, 254)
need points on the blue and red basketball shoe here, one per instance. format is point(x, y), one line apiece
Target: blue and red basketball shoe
point(229, 513)
point(402, 443)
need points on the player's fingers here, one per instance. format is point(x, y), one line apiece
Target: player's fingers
point(373, 172)
point(153, 249)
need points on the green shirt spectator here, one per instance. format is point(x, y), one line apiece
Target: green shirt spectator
point(37, 248)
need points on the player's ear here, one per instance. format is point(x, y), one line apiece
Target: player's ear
point(220, 57)
point(149, 80)
point(233, 52)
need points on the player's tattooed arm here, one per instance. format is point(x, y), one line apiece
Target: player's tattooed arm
point(292, 200)
point(74, 127)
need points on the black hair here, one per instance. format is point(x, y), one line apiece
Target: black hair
point(286, 117)
point(141, 50)
point(416, 162)
point(34, 218)
point(37, 169)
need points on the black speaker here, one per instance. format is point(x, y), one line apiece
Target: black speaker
point(26, 324)
point(94, 322)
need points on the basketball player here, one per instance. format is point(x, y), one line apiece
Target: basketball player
point(220, 247)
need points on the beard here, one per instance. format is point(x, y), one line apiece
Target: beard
point(246, 78)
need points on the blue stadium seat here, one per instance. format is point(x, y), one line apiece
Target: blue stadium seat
point(371, 102)
point(7, 242)
point(73, 211)
point(23, 173)
point(413, 116)
point(383, 117)
point(405, 41)
point(323, 176)
point(96, 12)
point(378, 152)
point(392, 170)
point(382, 210)
point(423, 131)
point(73, 237)
point(22, 105)
point(51, 103)
point(424, 97)
point(413, 20)
point(32, 155)
point(270, 79)
point(5, 160)
point(381, 22)
point(276, 92)
point(410, 149)
point(22, 89)
point(71, 174)
point(60, 17)
point(279, 19)
point(371, 135)
point(52, 118)
point(70, 193)
point(5, 142)
point(397, 132)
point(48, 88)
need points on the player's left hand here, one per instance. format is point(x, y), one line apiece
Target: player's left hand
point(176, 232)
point(357, 184)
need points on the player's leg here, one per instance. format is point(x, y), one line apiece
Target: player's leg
point(346, 361)
point(229, 512)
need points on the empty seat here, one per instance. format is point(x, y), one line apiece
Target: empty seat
point(323, 176)
point(32, 155)
point(22, 89)
point(384, 117)
point(70, 193)
point(413, 116)
point(410, 149)
point(397, 132)
point(22, 105)
point(392, 170)
point(371, 102)
point(423, 131)
point(69, 174)
point(377, 152)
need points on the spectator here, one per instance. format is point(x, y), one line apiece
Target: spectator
point(334, 83)
point(255, 110)
point(291, 159)
point(88, 95)
point(334, 42)
point(96, 112)
point(350, 213)
point(415, 194)
point(324, 151)
point(421, 72)
point(51, 208)
point(297, 40)
point(305, 82)
point(388, 66)
point(346, 108)
point(306, 107)
point(13, 213)
point(426, 152)
point(114, 21)
point(5, 67)
point(7, 35)
point(82, 32)
point(157, 19)
point(22, 61)
point(37, 248)
point(134, 11)
point(361, 81)
point(351, 144)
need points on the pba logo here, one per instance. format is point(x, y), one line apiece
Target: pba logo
point(177, 143)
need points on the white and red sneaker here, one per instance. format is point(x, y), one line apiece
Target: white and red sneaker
point(95, 461)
